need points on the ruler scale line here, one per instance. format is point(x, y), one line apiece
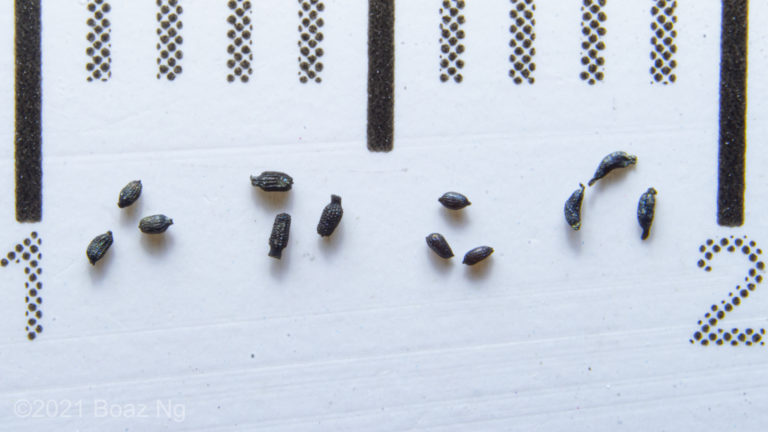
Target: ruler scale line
point(523, 30)
point(381, 75)
point(310, 38)
point(733, 110)
point(28, 133)
point(451, 36)
point(99, 51)
point(663, 47)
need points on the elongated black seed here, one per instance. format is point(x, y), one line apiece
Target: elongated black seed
point(155, 224)
point(573, 208)
point(278, 240)
point(477, 254)
point(454, 200)
point(273, 181)
point(645, 209)
point(611, 162)
point(437, 243)
point(129, 194)
point(98, 247)
point(331, 217)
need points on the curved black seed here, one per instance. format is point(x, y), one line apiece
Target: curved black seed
point(273, 181)
point(129, 194)
point(645, 209)
point(611, 162)
point(454, 200)
point(573, 208)
point(155, 224)
point(439, 245)
point(477, 254)
point(278, 240)
point(331, 217)
point(98, 247)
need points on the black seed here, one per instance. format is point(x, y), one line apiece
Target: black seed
point(278, 240)
point(477, 254)
point(273, 181)
point(155, 224)
point(331, 217)
point(611, 162)
point(573, 208)
point(129, 194)
point(454, 200)
point(645, 209)
point(98, 247)
point(437, 243)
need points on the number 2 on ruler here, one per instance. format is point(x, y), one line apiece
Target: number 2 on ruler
point(709, 331)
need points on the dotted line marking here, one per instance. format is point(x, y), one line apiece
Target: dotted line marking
point(99, 50)
point(593, 40)
point(169, 39)
point(663, 46)
point(451, 35)
point(310, 37)
point(523, 30)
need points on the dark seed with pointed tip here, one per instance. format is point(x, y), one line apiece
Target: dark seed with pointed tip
point(645, 209)
point(573, 208)
point(611, 162)
point(98, 247)
point(331, 217)
point(477, 254)
point(273, 181)
point(129, 194)
point(278, 240)
point(155, 224)
point(439, 245)
point(454, 200)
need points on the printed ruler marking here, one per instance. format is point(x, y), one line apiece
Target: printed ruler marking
point(523, 30)
point(169, 39)
point(451, 36)
point(240, 63)
point(28, 251)
point(593, 40)
point(28, 134)
point(99, 51)
point(310, 37)
point(381, 74)
point(663, 48)
point(733, 110)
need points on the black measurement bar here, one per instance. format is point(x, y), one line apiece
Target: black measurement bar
point(28, 136)
point(733, 110)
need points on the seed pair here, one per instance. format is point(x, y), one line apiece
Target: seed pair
point(440, 246)
point(276, 181)
point(438, 243)
point(155, 224)
point(615, 160)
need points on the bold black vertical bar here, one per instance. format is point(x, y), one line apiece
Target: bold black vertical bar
point(381, 74)
point(28, 140)
point(733, 109)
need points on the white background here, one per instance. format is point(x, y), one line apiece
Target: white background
point(369, 330)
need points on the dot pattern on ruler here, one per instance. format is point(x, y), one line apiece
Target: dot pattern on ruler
point(29, 252)
point(99, 51)
point(240, 63)
point(169, 39)
point(663, 45)
point(310, 36)
point(593, 40)
point(709, 332)
point(451, 35)
point(523, 35)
